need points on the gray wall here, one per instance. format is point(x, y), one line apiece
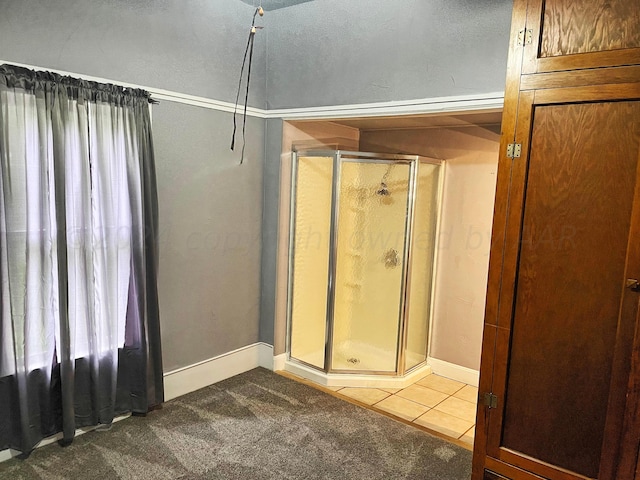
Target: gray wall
point(270, 210)
point(188, 46)
point(210, 206)
point(210, 222)
point(323, 52)
point(336, 52)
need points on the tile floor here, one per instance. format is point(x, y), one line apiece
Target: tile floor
point(434, 402)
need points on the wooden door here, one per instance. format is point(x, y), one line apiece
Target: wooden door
point(629, 458)
point(578, 34)
point(559, 346)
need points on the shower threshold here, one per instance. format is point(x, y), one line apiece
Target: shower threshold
point(356, 379)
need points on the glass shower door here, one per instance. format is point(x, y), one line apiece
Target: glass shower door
point(310, 258)
point(426, 208)
point(370, 256)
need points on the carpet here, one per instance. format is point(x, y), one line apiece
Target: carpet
point(254, 426)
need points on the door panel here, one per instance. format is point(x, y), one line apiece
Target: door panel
point(568, 307)
point(310, 275)
point(560, 354)
point(372, 225)
point(585, 34)
point(625, 461)
point(488, 475)
point(595, 25)
point(569, 282)
point(420, 287)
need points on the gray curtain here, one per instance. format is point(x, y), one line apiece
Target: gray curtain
point(79, 322)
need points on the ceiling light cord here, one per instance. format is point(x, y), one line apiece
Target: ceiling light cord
point(247, 52)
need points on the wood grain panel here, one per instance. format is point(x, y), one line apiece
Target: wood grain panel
point(510, 471)
point(493, 476)
point(482, 414)
point(622, 91)
point(581, 78)
point(579, 195)
point(612, 58)
point(502, 341)
point(515, 202)
point(572, 27)
point(508, 126)
point(625, 391)
point(503, 184)
point(627, 460)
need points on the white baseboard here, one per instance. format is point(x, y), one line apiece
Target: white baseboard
point(454, 372)
point(265, 356)
point(10, 453)
point(202, 374)
point(279, 362)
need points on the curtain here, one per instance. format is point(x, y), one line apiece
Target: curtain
point(79, 321)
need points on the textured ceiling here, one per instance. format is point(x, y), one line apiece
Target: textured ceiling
point(274, 4)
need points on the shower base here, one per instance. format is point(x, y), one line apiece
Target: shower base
point(355, 357)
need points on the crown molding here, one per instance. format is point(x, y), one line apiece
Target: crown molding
point(422, 106)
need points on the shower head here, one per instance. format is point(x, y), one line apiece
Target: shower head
point(383, 190)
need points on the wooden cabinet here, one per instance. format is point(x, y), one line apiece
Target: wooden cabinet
point(570, 34)
point(561, 347)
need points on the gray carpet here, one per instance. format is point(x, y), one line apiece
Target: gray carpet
point(255, 426)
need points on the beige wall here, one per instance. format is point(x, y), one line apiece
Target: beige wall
point(471, 155)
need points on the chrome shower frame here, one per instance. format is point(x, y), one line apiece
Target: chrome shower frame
point(339, 157)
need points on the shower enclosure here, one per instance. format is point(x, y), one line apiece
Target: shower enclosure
point(361, 261)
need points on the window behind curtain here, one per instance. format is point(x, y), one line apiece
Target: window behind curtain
point(98, 230)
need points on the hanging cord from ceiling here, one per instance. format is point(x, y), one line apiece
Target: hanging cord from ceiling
point(247, 52)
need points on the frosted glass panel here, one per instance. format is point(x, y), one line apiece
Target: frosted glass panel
point(311, 259)
point(424, 237)
point(369, 265)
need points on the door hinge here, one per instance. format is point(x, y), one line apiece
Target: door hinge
point(490, 400)
point(525, 37)
point(514, 150)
